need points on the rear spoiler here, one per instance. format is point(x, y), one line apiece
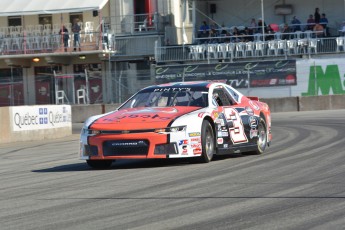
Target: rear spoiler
point(254, 98)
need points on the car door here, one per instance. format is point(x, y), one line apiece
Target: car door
point(236, 122)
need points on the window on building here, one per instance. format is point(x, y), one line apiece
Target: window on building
point(74, 16)
point(45, 19)
point(15, 21)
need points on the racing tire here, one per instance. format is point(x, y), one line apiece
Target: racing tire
point(207, 142)
point(262, 138)
point(99, 164)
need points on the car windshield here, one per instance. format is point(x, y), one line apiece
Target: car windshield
point(167, 97)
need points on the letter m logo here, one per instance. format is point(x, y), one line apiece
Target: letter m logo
point(324, 81)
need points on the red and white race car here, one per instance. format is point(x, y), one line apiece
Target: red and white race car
point(178, 120)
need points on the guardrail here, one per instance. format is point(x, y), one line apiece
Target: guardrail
point(252, 49)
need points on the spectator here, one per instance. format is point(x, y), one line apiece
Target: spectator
point(215, 27)
point(318, 29)
point(286, 29)
point(248, 35)
point(253, 26)
point(65, 36)
point(270, 32)
point(236, 34)
point(317, 15)
point(204, 30)
point(296, 24)
point(310, 22)
point(324, 23)
point(213, 36)
point(261, 25)
point(76, 34)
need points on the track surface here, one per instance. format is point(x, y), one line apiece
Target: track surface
point(299, 183)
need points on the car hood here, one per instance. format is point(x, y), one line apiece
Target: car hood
point(140, 118)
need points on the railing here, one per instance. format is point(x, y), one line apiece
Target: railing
point(48, 43)
point(253, 49)
point(125, 25)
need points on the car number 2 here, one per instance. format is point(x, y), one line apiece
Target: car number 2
point(237, 130)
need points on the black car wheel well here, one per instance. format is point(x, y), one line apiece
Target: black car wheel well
point(209, 119)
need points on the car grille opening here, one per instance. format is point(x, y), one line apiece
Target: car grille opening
point(166, 149)
point(126, 148)
point(91, 150)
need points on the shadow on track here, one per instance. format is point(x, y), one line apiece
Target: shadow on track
point(133, 164)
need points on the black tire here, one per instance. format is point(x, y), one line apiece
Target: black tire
point(100, 164)
point(262, 138)
point(207, 142)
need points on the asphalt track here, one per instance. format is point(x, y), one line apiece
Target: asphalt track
point(299, 183)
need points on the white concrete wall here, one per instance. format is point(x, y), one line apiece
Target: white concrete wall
point(28, 123)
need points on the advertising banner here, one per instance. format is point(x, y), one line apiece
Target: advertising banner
point(24, 118)
point(238, 75)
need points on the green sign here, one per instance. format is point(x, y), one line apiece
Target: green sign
point(324, 81)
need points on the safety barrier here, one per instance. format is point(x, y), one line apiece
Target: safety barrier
point(38, 122)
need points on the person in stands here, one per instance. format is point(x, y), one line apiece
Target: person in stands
point(76, 34)
point(324, 23)
point(65, 36)
point(317, 15)
point(310, 22)
point(296, 24)
point(285, 30)
point(253, 26)
point(204, 30)
point(261, 25)
point(318, 30)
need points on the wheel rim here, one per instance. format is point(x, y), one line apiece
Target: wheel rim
point(262, 137)
point(209, 144)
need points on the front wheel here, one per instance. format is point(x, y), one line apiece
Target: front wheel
point(207, 142)
point(99, 164)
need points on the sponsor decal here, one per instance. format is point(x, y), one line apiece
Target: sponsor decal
point(128, 143)
point(201, 115)
point(197, 151)
point(226, 145)
point(184, 150)
point(220, 141)
point(195, 146)
point(195, 139)
point(225, 134)
point(253, 133)
point(249, 111)
point(253, 122)
point(215, 115)
point(134, 116)
point(183, 142)
point(171, 89)
point(195, 134)
point(219, 134)
point(254, 105)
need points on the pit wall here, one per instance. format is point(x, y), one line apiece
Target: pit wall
point(30, 123)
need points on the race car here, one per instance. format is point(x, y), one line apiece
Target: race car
point(195, 120)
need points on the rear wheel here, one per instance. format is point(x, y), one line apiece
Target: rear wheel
point(207, 142)
point(262, 138)
point(99, 164)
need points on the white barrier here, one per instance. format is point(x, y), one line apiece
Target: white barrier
point(39, 122)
